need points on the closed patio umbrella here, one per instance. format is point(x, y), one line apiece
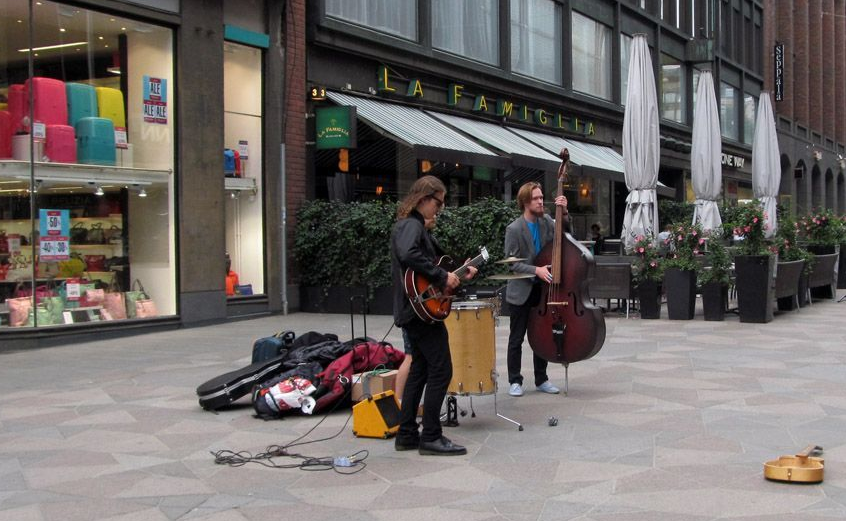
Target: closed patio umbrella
point(641, 152)
point(766, 165)
point(705, 155)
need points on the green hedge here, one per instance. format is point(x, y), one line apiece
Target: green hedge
point(348, 244)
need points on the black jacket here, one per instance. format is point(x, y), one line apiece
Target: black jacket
point(412, 246)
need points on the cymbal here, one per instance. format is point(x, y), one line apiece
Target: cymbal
point(511, 276)
point(509, 260)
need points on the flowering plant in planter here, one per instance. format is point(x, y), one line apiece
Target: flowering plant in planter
point(787, 241)
point(748, 227)
point(718, 261)
point(822, 228)
point(647, 265)
point(684, 243)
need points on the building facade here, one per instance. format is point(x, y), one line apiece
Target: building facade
point(141, 147)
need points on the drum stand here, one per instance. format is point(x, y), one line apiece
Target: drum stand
point(450, 419)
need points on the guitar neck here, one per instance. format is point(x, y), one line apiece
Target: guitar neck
point(475, 261)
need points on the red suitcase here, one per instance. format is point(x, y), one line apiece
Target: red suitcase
point(60, 146)
point(49, 100)
point(18, 105)
point(6, 132)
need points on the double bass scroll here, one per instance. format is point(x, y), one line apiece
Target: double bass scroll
point(566, 326)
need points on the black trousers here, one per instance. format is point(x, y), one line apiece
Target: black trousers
point(431, 368)
point(519, 319)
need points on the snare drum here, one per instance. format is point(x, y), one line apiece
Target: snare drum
point(472, 345)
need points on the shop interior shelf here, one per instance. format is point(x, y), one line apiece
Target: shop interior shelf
point(74, 173)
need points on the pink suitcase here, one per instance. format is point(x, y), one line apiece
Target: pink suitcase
point(60, 146)
point(50, 101)
point(18, 105)
point(6, 132)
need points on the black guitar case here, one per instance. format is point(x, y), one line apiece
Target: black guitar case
point(222, 390)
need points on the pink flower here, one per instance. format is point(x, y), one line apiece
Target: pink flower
point(755, 219)
point(701, 241)
point(641, 249)
point(747, 229)
point(681, 238)
point(653, 264)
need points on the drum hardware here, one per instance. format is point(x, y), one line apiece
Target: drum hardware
point(511, 276)
point(510, 260)
point(553, 421)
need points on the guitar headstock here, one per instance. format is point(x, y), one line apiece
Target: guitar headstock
point(484, 253)
point(565, 164)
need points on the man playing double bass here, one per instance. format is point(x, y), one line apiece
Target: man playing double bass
point(525, 237)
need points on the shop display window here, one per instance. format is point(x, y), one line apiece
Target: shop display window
point(242, 106)
point(86, 162)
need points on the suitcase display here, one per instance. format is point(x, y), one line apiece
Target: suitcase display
point(49, 101)
point(6, 132)
point(18, 105)
point(95, 141)
point(60, 146)
point(110, 105)
point(226, 388)
point(231, 163)
point(82, 102)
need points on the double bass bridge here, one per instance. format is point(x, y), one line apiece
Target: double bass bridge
point(564, 303)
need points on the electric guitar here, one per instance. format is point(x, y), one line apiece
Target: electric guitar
point(433, 304)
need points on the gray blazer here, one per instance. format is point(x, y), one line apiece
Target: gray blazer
point(518, 243)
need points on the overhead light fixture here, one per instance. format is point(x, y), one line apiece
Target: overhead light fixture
point(99, 190)
point(113, 70)
point(142, 193)
point(57, 46)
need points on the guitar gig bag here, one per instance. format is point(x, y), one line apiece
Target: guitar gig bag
point(222, 390)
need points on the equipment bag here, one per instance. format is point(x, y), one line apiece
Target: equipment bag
point(272, 346)
point(228, 387)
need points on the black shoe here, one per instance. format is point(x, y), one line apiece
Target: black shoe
point(401, 444)
point(441, 447)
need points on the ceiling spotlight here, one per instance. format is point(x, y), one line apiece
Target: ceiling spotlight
point(99, 190)
point(142, 193)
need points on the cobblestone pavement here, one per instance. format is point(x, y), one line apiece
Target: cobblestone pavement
point(670, 421)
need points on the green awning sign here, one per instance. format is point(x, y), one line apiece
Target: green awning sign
point(335, 127)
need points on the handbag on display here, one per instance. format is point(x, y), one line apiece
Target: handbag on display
point(95, 262)
point(72, 290)
point(72, 267)
point(79, 234)
point(145, 308)
point(92, 298)
point(244, 289)
point(4, 243)
point(137, 293)
point(115, 305)
point(96, 234)
point(18, 310)
point(45, 318)
point(113, 234)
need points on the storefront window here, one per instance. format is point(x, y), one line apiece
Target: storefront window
point(672, 89)
point(591, 57)
point(728, 111)
point(469, 29)
point(750, 105)
point(86, 185)
point(536, 39)
point(242, 113)
point(398, 17)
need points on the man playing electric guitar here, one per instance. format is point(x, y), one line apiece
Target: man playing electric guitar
point(412, 247)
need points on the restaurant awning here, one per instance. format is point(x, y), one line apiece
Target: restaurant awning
point(427, 137)
point(595, 160)
point(523, 153)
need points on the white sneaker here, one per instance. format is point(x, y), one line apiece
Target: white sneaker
point(547, 387)
point(515, 389)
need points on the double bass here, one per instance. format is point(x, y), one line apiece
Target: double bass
point(566, 326)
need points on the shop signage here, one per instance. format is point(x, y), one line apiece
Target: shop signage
point(335, 127)
point(155, 100)
point(733, 161)
point(778, 58)
point(502, 107)
point(54, 235)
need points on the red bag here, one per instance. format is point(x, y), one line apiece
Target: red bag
point(95, 262)
point(336, 379)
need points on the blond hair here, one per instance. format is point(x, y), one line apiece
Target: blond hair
point(524, 194)
point(426, 186)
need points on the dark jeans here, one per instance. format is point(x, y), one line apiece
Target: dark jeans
point(519, 319)
point(431, 367)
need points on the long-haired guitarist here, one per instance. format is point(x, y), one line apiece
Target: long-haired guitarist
point(413, 247)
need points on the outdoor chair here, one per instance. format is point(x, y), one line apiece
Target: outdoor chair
point(823, 273)
point(612, 281)
point(787, 280)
